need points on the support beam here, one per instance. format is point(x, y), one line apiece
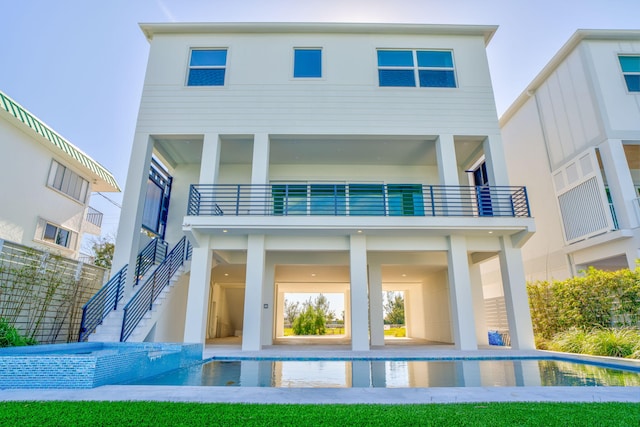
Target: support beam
point(252, 323)
point(620, 182)
point(210, 162)
point(515, 296)
point(446, 157)
point(268, 301)
point(195, 325)
point(464, 330)
point(359, 297)
point(482, 336)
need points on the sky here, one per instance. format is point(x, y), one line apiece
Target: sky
point(79, 65)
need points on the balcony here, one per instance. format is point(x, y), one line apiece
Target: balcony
point(93, 221)
point(414, 200)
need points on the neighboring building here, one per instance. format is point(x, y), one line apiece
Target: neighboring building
point(573, 137)
point(47, 183)
point(335, 158)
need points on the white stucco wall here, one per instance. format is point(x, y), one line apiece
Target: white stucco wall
point(170, 325)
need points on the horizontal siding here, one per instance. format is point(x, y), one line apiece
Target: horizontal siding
point(317, 109)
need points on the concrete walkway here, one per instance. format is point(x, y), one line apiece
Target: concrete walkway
point(347, 395)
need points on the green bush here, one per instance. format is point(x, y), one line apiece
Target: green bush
point(623, 342)
point(10, 337)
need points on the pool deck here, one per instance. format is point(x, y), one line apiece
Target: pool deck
point(354, 395)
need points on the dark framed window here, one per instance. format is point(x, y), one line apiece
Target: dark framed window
point(630, 65)
point(56, 235)
point(411, 68)
point(207, 67)
point(307, 63)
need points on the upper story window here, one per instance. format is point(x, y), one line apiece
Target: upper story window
point(410, 68)
point(307, 63)
point(630, 65)
point(68, 182)
point(207, 67)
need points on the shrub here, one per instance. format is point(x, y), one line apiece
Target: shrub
point(10, 337)
point(624, 342)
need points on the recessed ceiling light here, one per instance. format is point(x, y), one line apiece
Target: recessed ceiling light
point(313, 274)
point(404, 275)
point(359, 231)
point(226, 274)
point(491, 232)
point(224, 231)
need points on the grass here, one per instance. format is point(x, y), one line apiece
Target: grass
point(622, 342)
point(224, 414)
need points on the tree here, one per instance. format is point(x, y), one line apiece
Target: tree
point(103, 249)
point(394, 309)
point(291, 311)
point(313, 317)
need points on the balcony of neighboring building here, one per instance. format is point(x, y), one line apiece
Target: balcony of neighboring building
point(92, 221)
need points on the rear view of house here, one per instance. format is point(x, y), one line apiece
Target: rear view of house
point(349, 159)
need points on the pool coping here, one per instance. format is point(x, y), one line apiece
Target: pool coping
point(267, 395)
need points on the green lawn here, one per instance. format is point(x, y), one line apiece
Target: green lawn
point(198, 414)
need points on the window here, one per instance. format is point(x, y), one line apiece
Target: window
point(68, 182)
point(307, 63)
point(405, 200)
point(366, 199)
point(630, 65)
point(405, 68)
point(207, 67)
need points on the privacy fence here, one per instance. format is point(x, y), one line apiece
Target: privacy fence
point(42, 294)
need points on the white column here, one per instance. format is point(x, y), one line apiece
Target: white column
point(129, 227)
point(495, 160)
point(620, 182)
point(347, 313)
point(279, 314)
point(251, 326)
point(268, 301)
point(195, 325)
point(376, 311)
point(477, 295)
point(515, 296)
point(259, 171)
point(447, 164)
point(359, 297)
point(210, 162)
point(464, 330)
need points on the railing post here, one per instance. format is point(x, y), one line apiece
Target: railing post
point(433, 203)
point(238, 200)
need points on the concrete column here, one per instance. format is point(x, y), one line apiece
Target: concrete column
point(477, 296)
point(495, 160)
point(280, 314)
point(359, 297)
point(195, 325)
point(360, 373)
point(268, 300)
point(464, 330)
point(446, 157)
point(129, 227)
point(620, 182)
point(210, 163)
point(515, 296)
point(347, 314)
point(252, 323)
point(259, 171)
point(376, 311)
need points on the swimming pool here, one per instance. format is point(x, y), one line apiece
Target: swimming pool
point(415, 373)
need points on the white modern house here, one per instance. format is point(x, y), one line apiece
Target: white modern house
point(573, 138)
point(44, 201)
point(346, 159)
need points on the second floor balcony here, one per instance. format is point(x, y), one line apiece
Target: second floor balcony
point(357, 199)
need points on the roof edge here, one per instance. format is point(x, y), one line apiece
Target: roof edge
point(103, 179)
point(563, 52)
point(151, 29)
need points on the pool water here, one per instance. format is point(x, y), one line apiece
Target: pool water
point(396, 373)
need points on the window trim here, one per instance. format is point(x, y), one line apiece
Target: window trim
point(630, 73)
point(322, 64)
point(416, 68)
point(41, 229)
point(207, 67)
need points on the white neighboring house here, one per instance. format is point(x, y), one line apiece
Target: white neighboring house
point(336, 158)
point(573, 137)
point(47, 183)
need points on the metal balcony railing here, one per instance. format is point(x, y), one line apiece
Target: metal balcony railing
point(94, 216)
point(357, 200)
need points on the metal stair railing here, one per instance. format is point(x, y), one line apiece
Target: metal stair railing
point(146, 295)
point(107, 298)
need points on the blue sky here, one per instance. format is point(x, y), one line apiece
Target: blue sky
point(79, 65)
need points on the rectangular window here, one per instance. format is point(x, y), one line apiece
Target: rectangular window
point(406, 68)
point(68, 182)
point(405, 200)
point(328, 199)
point(366, 199)
point(630, 65)
point(56, 235)
point(289, 199)
point(207, 67)
point(307, 63)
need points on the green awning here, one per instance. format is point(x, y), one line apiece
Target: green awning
point(28, 119)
